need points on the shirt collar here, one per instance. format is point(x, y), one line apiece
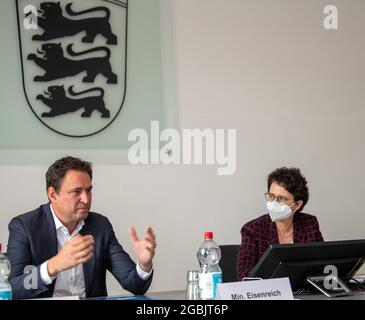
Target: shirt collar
point(60, 225)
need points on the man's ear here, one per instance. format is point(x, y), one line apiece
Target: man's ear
point(52, 194)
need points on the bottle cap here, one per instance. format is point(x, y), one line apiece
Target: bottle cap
point(208, 235)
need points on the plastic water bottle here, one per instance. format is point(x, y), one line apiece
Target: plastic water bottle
point(5, 288)
point(210, 273)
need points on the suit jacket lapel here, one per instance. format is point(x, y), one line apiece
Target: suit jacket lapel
point(88, 267)
point(299, 235)
point(49, 236)
point(272, 235)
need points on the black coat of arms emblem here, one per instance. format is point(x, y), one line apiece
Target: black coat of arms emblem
point(74, 62)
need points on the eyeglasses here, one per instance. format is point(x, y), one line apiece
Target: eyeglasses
point(280, 199)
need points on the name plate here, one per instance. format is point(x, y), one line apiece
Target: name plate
point(271, 289)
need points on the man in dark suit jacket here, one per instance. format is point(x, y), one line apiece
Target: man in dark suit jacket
point(70, 247)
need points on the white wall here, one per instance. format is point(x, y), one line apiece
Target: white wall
point(295, 93)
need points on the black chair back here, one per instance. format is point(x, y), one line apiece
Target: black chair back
point(228, 262)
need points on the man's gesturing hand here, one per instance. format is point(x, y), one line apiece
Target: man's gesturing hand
point(144, 248)
point(77, 250)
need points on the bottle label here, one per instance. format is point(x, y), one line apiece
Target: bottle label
point(208, 284)
point(5, 295)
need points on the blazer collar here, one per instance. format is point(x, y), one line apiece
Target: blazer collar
point(299, 234)
point(50, 235)
point(89, 266)
point(271, 231)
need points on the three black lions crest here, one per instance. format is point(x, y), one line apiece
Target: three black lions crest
point(74, 62)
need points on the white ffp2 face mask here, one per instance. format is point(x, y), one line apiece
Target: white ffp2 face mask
point(278, 212)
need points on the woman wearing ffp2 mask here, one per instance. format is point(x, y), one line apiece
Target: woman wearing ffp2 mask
point(284, 222)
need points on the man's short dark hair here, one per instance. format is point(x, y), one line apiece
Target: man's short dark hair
point(57, 171)
point(292, 180)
